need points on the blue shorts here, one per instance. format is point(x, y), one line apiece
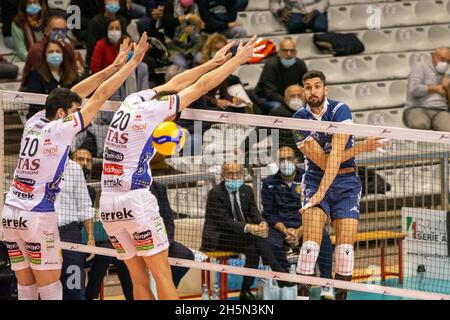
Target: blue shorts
point(342, 199)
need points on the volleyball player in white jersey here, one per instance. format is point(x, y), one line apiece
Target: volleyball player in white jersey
point(28, 217)
point(129, 211)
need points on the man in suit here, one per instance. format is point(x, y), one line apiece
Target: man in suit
point(233, 223)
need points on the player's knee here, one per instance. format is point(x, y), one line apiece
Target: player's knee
point(308, 257)
point(344, 259)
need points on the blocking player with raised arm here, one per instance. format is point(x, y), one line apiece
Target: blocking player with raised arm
point(129, 211)
point(28, 217)
point(331, 187)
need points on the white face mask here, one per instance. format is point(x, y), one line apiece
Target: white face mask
point(442, 67)
point(296, 103)
point(287, 168)
point(114, 36)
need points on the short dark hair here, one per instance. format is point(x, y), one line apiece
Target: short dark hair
point(314, 74)
point(60, 98)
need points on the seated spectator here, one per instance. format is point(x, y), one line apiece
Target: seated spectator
point(107, 48)
point(294, 99)
point(182, 23)
point(428, 95)
point(233, 223)
point(152, 21)
point(28, 26)
point(176, 249)
point(56, 70)
point(132, 9)
point(279, 72)
point(89, 9)
point(8, 12)
point(281, 195)
point(56, 30)
point(97, 27)
point(74, 208)
point(300, 15)
point(220, 16)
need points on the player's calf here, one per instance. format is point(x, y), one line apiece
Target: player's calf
point(345, 260)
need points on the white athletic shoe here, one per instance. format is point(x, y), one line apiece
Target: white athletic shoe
point(327, 293)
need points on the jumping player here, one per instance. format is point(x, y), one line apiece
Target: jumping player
point(331, 186)
point(28, 218)
point(129, 211)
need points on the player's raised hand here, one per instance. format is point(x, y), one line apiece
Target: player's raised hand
point(248, 51)
point(124, 50)
point(223, 54)
point(140, 49)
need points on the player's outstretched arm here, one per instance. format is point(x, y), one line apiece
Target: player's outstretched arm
point(188, 77)
point(212, 79)
point(88, 85)
point(113, 83)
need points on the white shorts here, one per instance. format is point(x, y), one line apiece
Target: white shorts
point(132, 221)
point(32, 239)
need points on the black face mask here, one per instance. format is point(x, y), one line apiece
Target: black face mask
point(87, 173)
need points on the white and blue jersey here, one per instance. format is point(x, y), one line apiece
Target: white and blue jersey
point(343, 197)
point(128, 145)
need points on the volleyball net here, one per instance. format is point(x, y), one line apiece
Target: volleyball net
point(232, 196)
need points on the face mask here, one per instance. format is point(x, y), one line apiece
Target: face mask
point(287, 63)
point(34, 8)
point(55, 59)
point(112, 7)
point(57, 35)
point(114, 36)
point(295, 104)
point(287, 168)
point(186, 3)
point(442, 67)
point(87, 173)
point(233, 185)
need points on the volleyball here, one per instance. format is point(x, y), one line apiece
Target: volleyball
point(168, 138)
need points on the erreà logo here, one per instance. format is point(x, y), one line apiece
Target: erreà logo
point(411, 225)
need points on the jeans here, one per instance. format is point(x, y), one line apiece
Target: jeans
point(72, 272)
point(295, 23)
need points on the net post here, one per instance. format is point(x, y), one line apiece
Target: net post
point(444, 181)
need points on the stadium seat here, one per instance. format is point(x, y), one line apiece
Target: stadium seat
point(249, 74)
point(59, 4)
point(387, 117)
point(347, 2)
point(388, 14)
point(10, 86)
point(260, 23)
point(370, 95)
point(258, 5)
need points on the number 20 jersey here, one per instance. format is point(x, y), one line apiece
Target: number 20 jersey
point(128, 145)
point(44, 150)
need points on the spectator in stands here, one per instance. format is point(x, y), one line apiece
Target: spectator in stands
point(132, 9)
point(152, 22)
point(28, 26)
point(8, 12)
point(107, 48)
point(281, 195)
point(74, 208)
point(242, 5)
point(233, 224)
point(300, 15)
point(428, 96)
point(89, 9)
point(97, 27)
point(55, 70)
point(220, 16)
point(294, 99)
point(279, 72)
point(182, 23)
point(225, 101)
point(176, 249)
point(99, 264)
point(56, 30)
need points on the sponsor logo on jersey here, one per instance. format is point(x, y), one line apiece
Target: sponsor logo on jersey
point(116, 244)
point(24, 185)
point(299, 135)
point(171, 100)
point(71, 118)
point(50, 151)
point(112, 183)
point(15, 254)
point(112, 169)
point(23, 195)
point(28, 165)
point(117, 139)
point(33, 252)
point(143, 163)
point(123, 215)
point(138, 117)
point(139, 127)
point(20, 223)
point(47, 142)
point(143, 240)
point(112, 155)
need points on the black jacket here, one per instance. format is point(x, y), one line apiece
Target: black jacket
point(211, 13)
point(275, 78)
point(221, 230)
